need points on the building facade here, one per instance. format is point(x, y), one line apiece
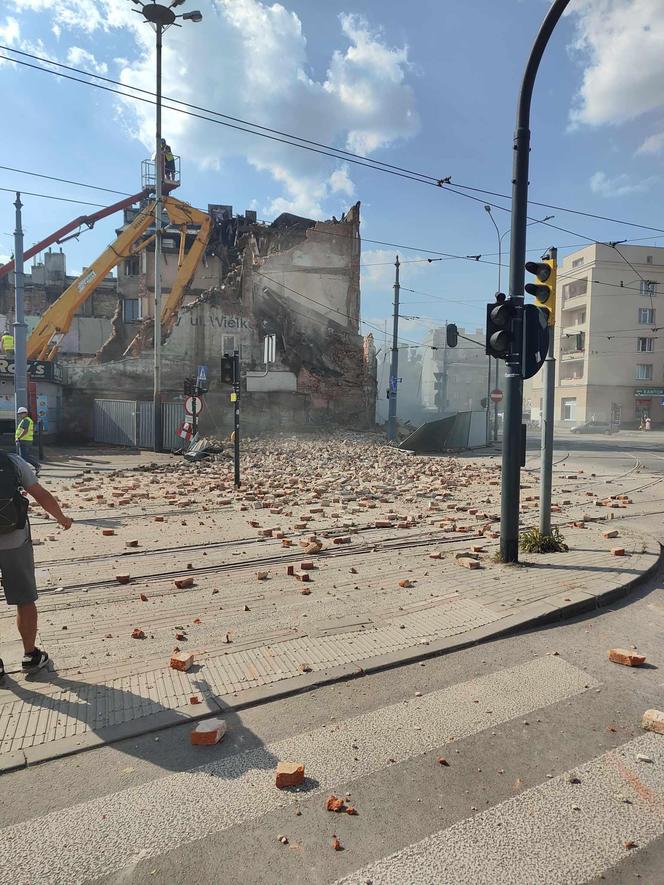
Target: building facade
point(609, 353)
point(454, 379)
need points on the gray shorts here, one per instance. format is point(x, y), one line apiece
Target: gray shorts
point(18, 574)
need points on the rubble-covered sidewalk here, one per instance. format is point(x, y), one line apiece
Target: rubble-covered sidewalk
point(338, 555)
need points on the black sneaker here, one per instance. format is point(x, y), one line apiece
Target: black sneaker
point(2, 671)
point(34, 661)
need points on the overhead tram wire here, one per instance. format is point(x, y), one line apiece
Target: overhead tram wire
point(442, 183)
point(447, 257)
point(12, 190)
point(94, 187)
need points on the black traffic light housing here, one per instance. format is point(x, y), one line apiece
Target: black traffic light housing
point(227, 370)
point(499, 327)
point(451, 334)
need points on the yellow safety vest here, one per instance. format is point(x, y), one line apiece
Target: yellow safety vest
point(29, 436)
point(7, 343)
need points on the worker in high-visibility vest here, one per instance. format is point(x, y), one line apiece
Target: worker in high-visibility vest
point(25, 434)
point(7, 342)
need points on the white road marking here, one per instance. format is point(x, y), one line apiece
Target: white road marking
point(103, 835)
point(538, 837)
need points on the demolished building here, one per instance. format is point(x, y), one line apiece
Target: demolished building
point(296, 279)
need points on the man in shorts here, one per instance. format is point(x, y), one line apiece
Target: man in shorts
point(17, 563)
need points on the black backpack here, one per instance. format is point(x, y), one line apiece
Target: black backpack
point(13, 505)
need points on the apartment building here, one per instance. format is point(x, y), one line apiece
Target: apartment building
point(609, 352)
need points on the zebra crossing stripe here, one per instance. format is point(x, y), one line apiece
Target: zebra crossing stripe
point(105, 834)
point(554, 834)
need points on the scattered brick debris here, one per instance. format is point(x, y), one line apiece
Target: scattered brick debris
point(626, 657)
point(289, 774)
point(181, 660)
point(333, 803)
point(123, 579)
point(653, 720)
point(441, 760)
point(209, 732)
point(137, 633)
point(336, 844)
point(143, 597)
point(183, 583)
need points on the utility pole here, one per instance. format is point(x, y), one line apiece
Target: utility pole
point(20, 327)
point(511, 461)
point(394, 366)
point(548, 411)
point(160, 17)
point(158, 210)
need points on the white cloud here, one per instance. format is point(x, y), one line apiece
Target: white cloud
point(10, 32)
point(78, 57)
point(250, 59)
point(621, 44)
point(340, 182)
point(654, 144)
point(619, 186)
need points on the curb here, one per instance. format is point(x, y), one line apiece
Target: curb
point(536, 614)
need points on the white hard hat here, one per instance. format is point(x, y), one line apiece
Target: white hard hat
point(22, 409)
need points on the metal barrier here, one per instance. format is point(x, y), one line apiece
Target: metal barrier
point(130, 423)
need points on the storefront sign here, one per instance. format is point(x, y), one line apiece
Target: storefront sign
point(38, 370)
point(647, 392)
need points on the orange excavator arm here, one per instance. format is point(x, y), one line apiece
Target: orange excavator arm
point(45, 339)
point(182, 214)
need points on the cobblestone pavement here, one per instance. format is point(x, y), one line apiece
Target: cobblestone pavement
point(385, 584)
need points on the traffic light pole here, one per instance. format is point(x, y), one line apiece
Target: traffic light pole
point(394, 365)
point(546, 468)
point(236, 415)
point(511, 462)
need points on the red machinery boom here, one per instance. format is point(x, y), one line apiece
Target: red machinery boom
point(87, 220)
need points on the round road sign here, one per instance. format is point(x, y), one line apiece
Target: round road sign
point(496, 396)
point(189, 405)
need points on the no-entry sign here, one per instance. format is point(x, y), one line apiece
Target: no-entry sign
point(189, 405)
point(496, 396)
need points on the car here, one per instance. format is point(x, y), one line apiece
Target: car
point(594, 427)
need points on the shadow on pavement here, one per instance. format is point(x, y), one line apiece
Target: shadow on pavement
point(106, 698)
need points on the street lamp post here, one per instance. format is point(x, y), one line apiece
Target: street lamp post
point(160, 17)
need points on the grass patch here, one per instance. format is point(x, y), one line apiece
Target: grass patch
point(533, 541)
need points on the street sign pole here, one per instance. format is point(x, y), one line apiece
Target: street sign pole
point(511, 462)
point(194, 421)
point(236, 415)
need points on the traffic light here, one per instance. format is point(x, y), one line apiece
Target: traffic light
point(451, 334)
point(537, 335)
point(499, 327)
point(227, 369)
point(544, 291)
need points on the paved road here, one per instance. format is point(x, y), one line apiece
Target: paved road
point(516, 719)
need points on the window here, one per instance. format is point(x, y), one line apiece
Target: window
point(645, 345)
point(647, 316)
point(577, 262)
point(644, 372)
point(575, 288)
point(132, 266)
point(648, 287)
point(568, 409)
point(229, 344)
point(167, 243)
point(648, 259)
point(131, 310)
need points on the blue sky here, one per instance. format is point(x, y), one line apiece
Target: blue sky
point(428, 85)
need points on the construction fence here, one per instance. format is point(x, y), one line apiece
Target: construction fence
point(120, 422)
